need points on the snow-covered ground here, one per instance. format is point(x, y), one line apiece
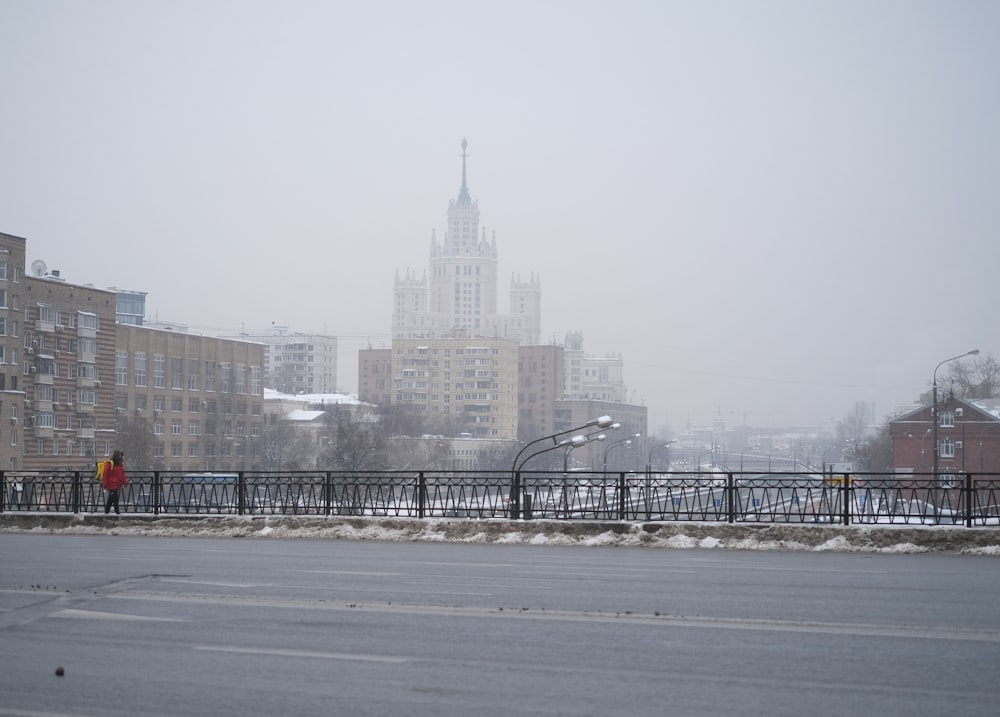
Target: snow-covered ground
point(677, 535)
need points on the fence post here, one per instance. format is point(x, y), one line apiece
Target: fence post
point(730, 498)
point(623, 496)
point(240, 491)
point(515, 496)
point(421, 494)
point(77, 491)
point(967, 490)
point(327, 493)
point(3, 490)
point(157, 492)
point(847, 494)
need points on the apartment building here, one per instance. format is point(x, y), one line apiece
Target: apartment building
point(375, 382)
point(541, 382)
point(12, 407)
point(296, 362)
point(188, 402)
point(68, 339)
point(470, 381)
point(460, 293)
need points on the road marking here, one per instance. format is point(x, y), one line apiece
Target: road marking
point(358, 657)
point(99, 615)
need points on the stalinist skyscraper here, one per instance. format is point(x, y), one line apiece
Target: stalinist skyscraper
point(459, 298)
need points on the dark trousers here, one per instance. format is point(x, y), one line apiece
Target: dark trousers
point(112, 501)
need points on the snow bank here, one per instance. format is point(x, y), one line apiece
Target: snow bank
point(669, 535)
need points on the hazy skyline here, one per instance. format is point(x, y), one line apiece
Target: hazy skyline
point(771, 210)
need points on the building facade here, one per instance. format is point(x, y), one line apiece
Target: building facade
point(594, 378)
point(968, 435)
point(296, 362)
point(470, 382)
point(68, 339)
point(13, 364)
point(459, 297)
point(198, 400)
point(541, 383)
point(375, 383)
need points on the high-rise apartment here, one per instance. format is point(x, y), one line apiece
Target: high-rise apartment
point(459, 298)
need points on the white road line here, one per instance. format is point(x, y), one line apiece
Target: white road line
point(303, 653)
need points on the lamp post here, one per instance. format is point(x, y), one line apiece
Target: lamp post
point(922, 438)
point(934, 411)
point(649, 475)
point(574, 443)
point(601, 423)
point(936, 420)
point(622, 442)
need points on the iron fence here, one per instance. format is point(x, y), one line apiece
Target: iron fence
point(968, 499)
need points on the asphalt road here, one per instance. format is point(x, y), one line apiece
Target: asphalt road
point(218, 627)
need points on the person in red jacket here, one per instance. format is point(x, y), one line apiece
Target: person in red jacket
point(113, 480)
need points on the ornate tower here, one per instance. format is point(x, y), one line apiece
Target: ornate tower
point(463, 269)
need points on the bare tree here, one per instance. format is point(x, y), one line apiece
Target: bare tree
point(134, 437)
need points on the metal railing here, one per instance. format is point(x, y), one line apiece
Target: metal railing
point(730, 497)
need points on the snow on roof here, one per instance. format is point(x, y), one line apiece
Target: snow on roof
point(300, 414)
point(330, 398)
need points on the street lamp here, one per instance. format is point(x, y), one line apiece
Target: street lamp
point(934, 413)
point(573, 443)
point(937, 420)
point(922, 439)
point(622, 442)
point(601, 423)
point(649, 475)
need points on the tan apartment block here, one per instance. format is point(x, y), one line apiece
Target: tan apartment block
point(472, 381)
point(185, 402)
point(68, 340)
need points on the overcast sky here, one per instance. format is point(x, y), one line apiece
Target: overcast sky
point(770, 209)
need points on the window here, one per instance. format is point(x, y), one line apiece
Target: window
point(947, 480)
point(947, 419)
point(159, 370)
point(175, 428)
point(193, 365)
point(947, 448)
point(121, 368)
point(176, 372)
point(140, 368)
point(194, 428)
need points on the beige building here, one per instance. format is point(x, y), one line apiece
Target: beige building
point(198, 399)
point(68, 340)
point(470, 381)
point(12, 371)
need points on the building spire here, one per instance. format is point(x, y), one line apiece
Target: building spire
point(463, 193)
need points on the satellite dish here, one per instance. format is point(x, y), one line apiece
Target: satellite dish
point(38, 267)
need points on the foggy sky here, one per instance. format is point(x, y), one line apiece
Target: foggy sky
point(772, 210)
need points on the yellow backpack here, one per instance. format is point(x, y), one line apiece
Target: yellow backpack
point(102, 469)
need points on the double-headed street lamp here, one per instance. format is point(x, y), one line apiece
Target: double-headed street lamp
point(649, 475)
point(622, 442)
point(558, 440)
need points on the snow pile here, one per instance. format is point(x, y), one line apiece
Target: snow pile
point(670, 535)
